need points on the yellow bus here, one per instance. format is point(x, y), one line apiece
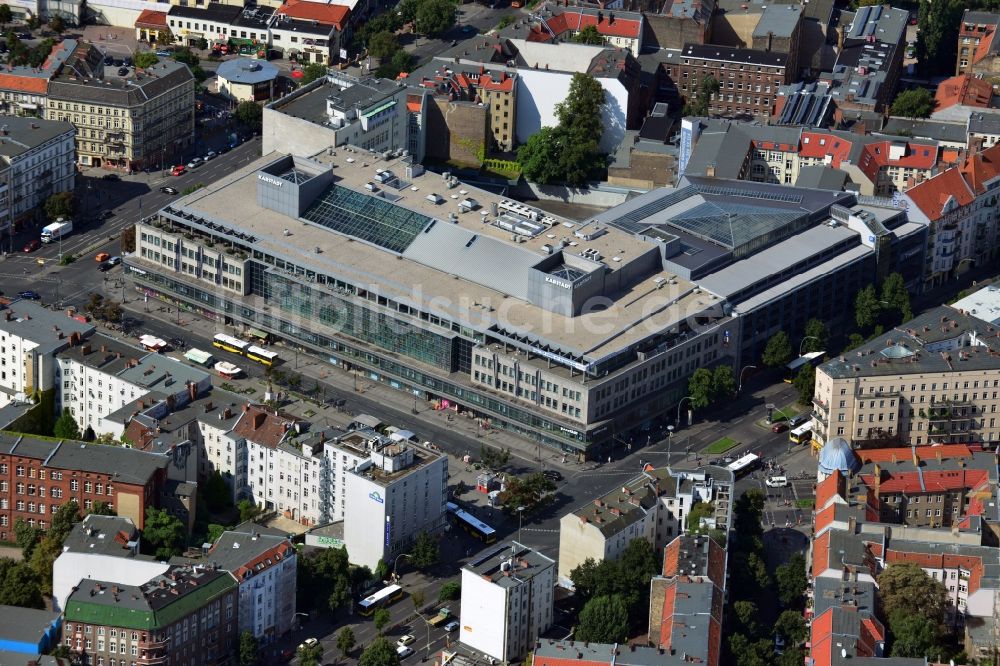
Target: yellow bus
point(261, 355)
point(384, 597)
point(801, 434)
point(230, 344)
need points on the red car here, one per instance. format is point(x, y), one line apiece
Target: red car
point(178, 170)
point(780, 426)
point(32, 245)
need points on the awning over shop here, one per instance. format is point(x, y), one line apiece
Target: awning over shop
point(257, 333)
point(367, 420)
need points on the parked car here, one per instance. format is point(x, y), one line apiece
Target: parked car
point(225, 149)
point(101, 256)
point(25, 35)
point(309, 642)
point(405, 640)
point(404, 651)
point(211, 155)
point(106, 214)
point(118, 62)
point(111, 176)
point(168, 190)
point(108, 61)
point(177, 343)
point(32, 245)
point(164, 54)
point(781, 426)
point(451, 626)
point(194, 163)
point(178, 170)
point(115, 260)
point(105, 266)
point(128, 61)
point(29, 295)
point(552, 475)
point(123, 71)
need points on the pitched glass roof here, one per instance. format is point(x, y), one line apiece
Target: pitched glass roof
point(367, 218)
point(732, 225)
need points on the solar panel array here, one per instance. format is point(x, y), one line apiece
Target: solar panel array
point(367, 218)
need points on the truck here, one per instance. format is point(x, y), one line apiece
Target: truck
point(58, 229)
point(443, 616)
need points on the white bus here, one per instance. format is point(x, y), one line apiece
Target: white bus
point(744, 465)
point(382, 598)
point(801, 434)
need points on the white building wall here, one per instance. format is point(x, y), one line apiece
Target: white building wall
point(263, 596)
point(51, 164)
point(91, 394)
point(339, 461)
point(72, 567)
point(486, 617)
point(539, 91)
point(122, 13)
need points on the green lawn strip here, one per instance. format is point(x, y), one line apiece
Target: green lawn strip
point(721, 445)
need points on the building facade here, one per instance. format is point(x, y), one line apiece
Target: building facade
point(39, 158)
point(143, 119)
point(507, 601)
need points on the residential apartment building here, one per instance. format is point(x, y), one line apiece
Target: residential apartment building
point(340, 110)
point(187, 614)
point(960, 204)
point(38, 475)
point(618, 29)
point(930, 380)
point(748, 79)
point(653, 506)
point(311, 31)
point(264, 567)
point(124, 122)
point(507, 601)
point(977, 43)
point(38, 160)
point(23, 88)
point(30, 338)
point(861, 529)
point(103, 374)
point(95, 546)
point(401, 488)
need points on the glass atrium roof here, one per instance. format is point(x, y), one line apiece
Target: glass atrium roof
point(367, 218)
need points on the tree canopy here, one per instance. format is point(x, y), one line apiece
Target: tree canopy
point(700, 104)
point(792, 581)
point(816, 336)
point(383, 44)
point(707, 387)
point(778, 351)
point(19, 585)
point(144, 59)
point(937, 35)
point(61, 204)
point(896, 298)
point(250, 114)
point(603, 620)
point(627, 577)
point(915, 103)
point(249, 649)
point(313, 71)
point(164, 534)
point(434, 17)
point(805, 383)
point(493, 458)
point(906, 588)
point(425, 552)
point(310, 655)
point(866, 308)
point(327, 580)
point(379, 653)
point(529, 491)
point(345, 641)
point(5, 15)
point(589, 35)
point(216, 493)
point(569, 152)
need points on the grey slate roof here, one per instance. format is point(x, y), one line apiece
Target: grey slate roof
point(99, 534)
point(131, 466)
point(778, 20)
point(235, 549)
point(114, 91)
point(247, 71)
point(24, 133)
point(25, 624)
point(42, 326)
point(488, 565)
point(729, 54)
point(821, 177)
point(984, 123)
point(933, 130)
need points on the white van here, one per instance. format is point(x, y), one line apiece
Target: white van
point(776, 482)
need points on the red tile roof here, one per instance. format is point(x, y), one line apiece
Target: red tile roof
point(503, 82)
point(972, 563)
point(963, 89)
point(983, 49)
point(819, 145)
point(933, 481)
point(335, 15)
point(906, 453)
point(261, 426)
point(930, 196)
point(821, 554)
point(577, 21)
point(982, 167)
point(832, 486)
point(150, 18)
point(27, 84)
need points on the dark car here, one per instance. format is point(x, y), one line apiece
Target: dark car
point(780, 426)
point(177, 343)
point(32, 245)
point(104, 266)
point(29, 295)
point(127, 61)
point(552, 475)
point(106, 214)
point(168, 190)
point(111, 176)
point(25, 35)
point(123, 71)
point(224, 150)
point(108, 61)
point(118, 62)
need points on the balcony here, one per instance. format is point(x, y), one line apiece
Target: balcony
point(152, 653)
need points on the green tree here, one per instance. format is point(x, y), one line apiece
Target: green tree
point(216, 493)
point(57, 24)
point(26, 537)
point(913, 635)
point(580, 112)
point(937, 35)
point(434, 17)
point(791, 627)
point(792, 656)
point(528, 491)
point(101, 509)
point(65, 426)
point(186, 56)
point(381, 570)
point(314, 71)
point(248, 510)
point(383, 44)
point(603, 620)
point(915, 103)
point(700, 105)
point(589, 35)
point(163, 535)
point(450, 591)
point(42, 559)
point(5, 16)
point(817, 336)
point(66, 517)
point(144, 59)
point(249, 649)
point(61, 204)
point(418, 598)
point(382, 618)
point(310, 655)
point(905, 588)
point(896, 296)
point(746, 613)
point(538, 157)
point(380, 652)
point(493, 458)
point(628, 577)
point(778, 351)
point(401, 62)
point(345, 641)
point(425, 552)
point(867, 308)
point(723, 383)
point(701, 388)
point(805, 383)
point(698, 511)
point(214, 532)
point(19, 585)
point(792, 581)
point(408, 10)
point(250, 114)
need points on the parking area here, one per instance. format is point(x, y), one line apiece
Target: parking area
point(113, 41)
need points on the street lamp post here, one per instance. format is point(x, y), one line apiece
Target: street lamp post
point(687, 397)
point(396, 564)
point(808, 337)
point(745, 368)
point(670, 441)
point(520, 514)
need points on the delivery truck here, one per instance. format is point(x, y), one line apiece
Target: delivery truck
point(58, 229)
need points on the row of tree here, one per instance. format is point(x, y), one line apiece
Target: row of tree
point(707, 387)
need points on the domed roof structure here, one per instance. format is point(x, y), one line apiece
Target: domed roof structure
point(838, 454)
